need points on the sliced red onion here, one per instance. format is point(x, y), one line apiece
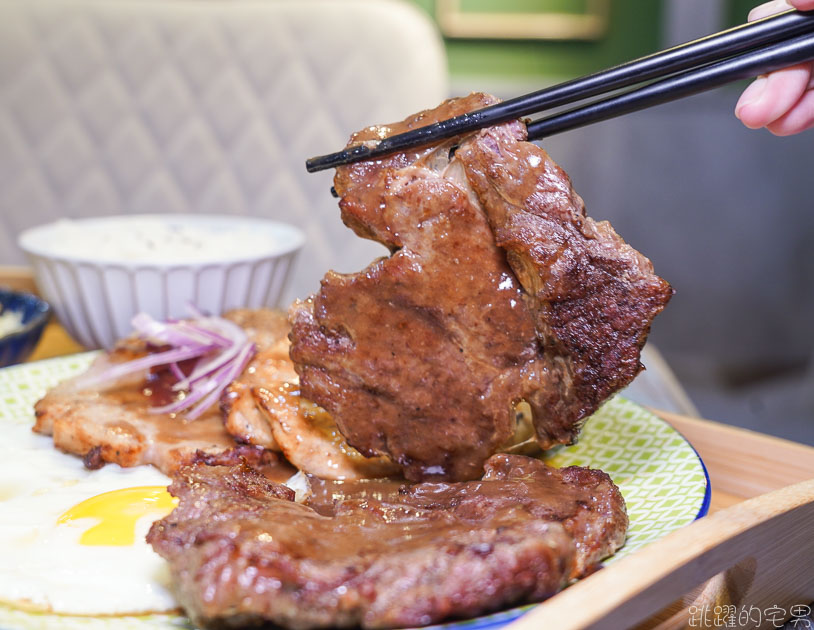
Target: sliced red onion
point(238, 340)
point(175, 333)
point(222, 379)
point(176, 371)
point(190, 397)
point(142, 364)
point(222, 349)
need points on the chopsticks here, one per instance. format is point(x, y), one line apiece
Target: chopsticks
point(741, 52)
point(768, 59)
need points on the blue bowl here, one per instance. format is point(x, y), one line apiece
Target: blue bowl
point(17, 346)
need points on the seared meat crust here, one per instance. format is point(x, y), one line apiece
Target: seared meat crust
point(243, 553)
point(270, 464)
point(593, 296)
point(498, 290)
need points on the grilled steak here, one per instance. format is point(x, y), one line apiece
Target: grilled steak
point(242, 553)
point(498, 289)
point(593, 297)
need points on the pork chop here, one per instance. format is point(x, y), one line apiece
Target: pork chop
point(270, 367)
point(310, 439)
point(112, 422)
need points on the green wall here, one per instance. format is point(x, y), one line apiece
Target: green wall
point(738, 10)
point(635, 30)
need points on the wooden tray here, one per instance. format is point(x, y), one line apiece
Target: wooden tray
point(749, 559)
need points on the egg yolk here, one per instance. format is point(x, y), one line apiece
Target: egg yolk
point(117, 513)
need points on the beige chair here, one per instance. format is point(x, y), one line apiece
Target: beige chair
point(157, 106)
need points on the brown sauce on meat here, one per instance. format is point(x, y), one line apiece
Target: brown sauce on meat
point(550, 497)
point(360, 527)
point(499, 288)
point(325, 494)
point(169, 429)
point(206, 433)
point(278, 472)
point(395, 513)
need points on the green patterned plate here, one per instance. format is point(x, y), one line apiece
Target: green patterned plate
point(660, 475)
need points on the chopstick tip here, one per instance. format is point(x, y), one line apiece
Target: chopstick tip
point(332, 160)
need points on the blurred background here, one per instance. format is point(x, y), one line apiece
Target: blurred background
point(211, 106)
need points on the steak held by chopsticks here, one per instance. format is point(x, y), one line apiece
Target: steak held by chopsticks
point(498, 289)
point(242, 553)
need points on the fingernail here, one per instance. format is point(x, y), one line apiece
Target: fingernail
point(751, 94)
point(768, 8)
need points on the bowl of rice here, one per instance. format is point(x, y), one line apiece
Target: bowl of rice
point(98, 273)
point(22, 319)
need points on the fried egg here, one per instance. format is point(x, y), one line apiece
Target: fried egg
point(72, 540)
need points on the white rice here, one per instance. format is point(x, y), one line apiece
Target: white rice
point(148, 239)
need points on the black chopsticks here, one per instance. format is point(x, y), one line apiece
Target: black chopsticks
point(737, 53)
point(750, 64)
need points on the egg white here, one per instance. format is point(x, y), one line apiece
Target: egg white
point(44, 567)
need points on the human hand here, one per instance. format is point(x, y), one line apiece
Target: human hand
point(782, 101)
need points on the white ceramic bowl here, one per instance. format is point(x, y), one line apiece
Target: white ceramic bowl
point(97, 273)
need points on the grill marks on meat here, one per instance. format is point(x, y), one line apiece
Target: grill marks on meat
point(242, 552)
point(594, 296)
point(498, 289)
